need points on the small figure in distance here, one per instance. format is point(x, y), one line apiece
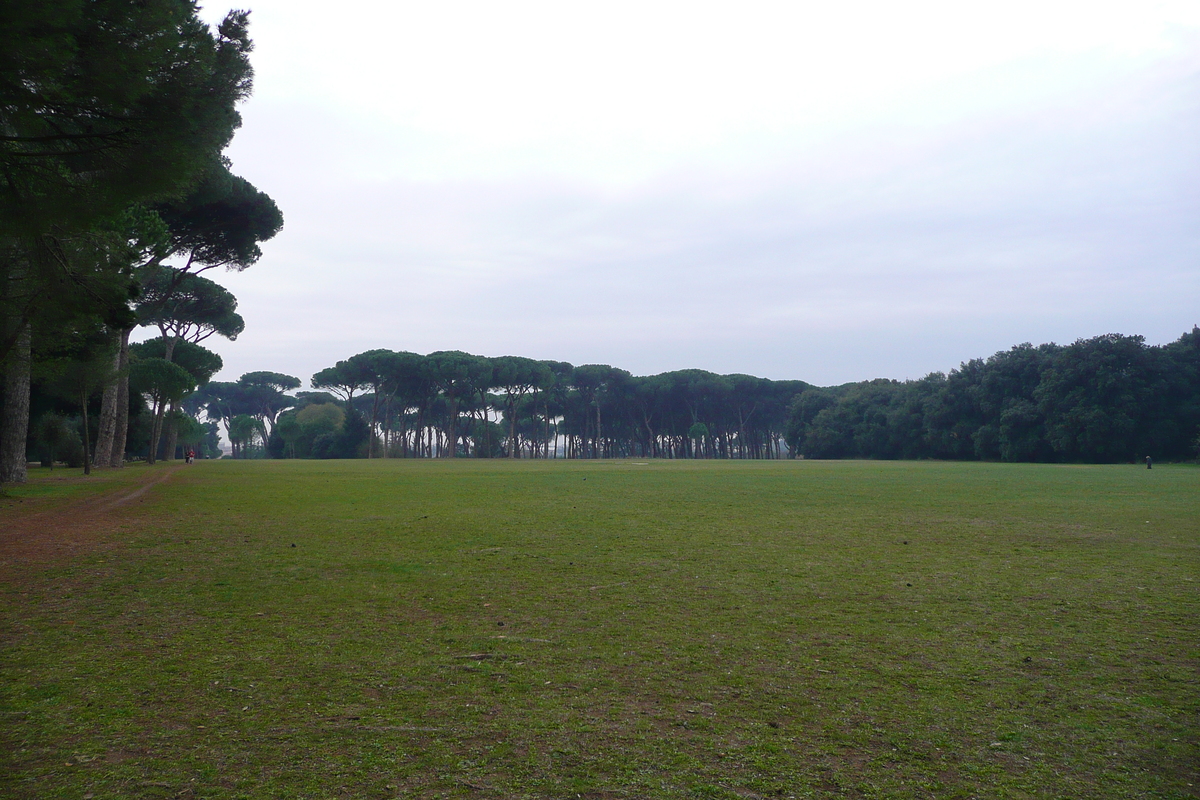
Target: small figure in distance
point(191, 456)
point(1149, 463)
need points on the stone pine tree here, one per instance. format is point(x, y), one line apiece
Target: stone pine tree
point(162, 382)
point(262, 394)
point(198, 362)
point(220, 223)
point(86, 295)
point(102, 105)
point(516, 377)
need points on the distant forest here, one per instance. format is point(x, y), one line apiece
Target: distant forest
point(1106, 399)
point(1101, 400)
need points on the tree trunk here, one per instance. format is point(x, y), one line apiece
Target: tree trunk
point(512, 430)
point(172, 435)
point(596, 444)
point(116, 457)
point(155, 431)
point(87, 434)
point(163, 424)
point(14, 424)
point(374, 417)
point(452, 432)
point(107, 424)
point(387, 426)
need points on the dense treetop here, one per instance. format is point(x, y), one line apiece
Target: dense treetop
point(110, 103)
point(1106, 399)
point(1110, 398)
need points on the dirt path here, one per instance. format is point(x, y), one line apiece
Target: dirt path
point(63, 531)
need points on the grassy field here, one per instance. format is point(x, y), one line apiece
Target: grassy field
point(612, 630)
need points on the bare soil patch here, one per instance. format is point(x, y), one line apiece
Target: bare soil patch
point(55, 532)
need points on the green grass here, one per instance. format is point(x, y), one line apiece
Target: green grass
point(619, 629)
point(66, 484)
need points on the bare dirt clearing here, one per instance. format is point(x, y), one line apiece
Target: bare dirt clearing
point(40, 531)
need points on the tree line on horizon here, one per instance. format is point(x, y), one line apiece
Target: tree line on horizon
point(1106, 399)
point(399, 404)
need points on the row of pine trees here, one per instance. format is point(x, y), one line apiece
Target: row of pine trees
point(1107, 399)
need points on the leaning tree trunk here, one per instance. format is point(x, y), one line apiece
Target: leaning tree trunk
point(116, 455)
point(14, 424)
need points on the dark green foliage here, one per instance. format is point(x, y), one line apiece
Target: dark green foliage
point(326, 445)
point(210, 445)
point(355, 433)
point(159, 379)
point(109, 103)
point(256, 394)
point(247, 436)
point(277, 446)
point(72, 365)
point(446, 404)
point(103, 105)
point(191, 433)
point(58, 439)
point(344, 379)
point(489, 439)
point(315, 430)
point(803, 410)
point(1100, 400)
point(185, 306)
point(313, 398)
point(220, 400)
point(113, 116)
point(221, 222)
point(261, 394)
point(274, 380)
point(199, 362)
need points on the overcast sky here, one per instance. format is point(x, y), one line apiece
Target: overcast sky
point(822, 191)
